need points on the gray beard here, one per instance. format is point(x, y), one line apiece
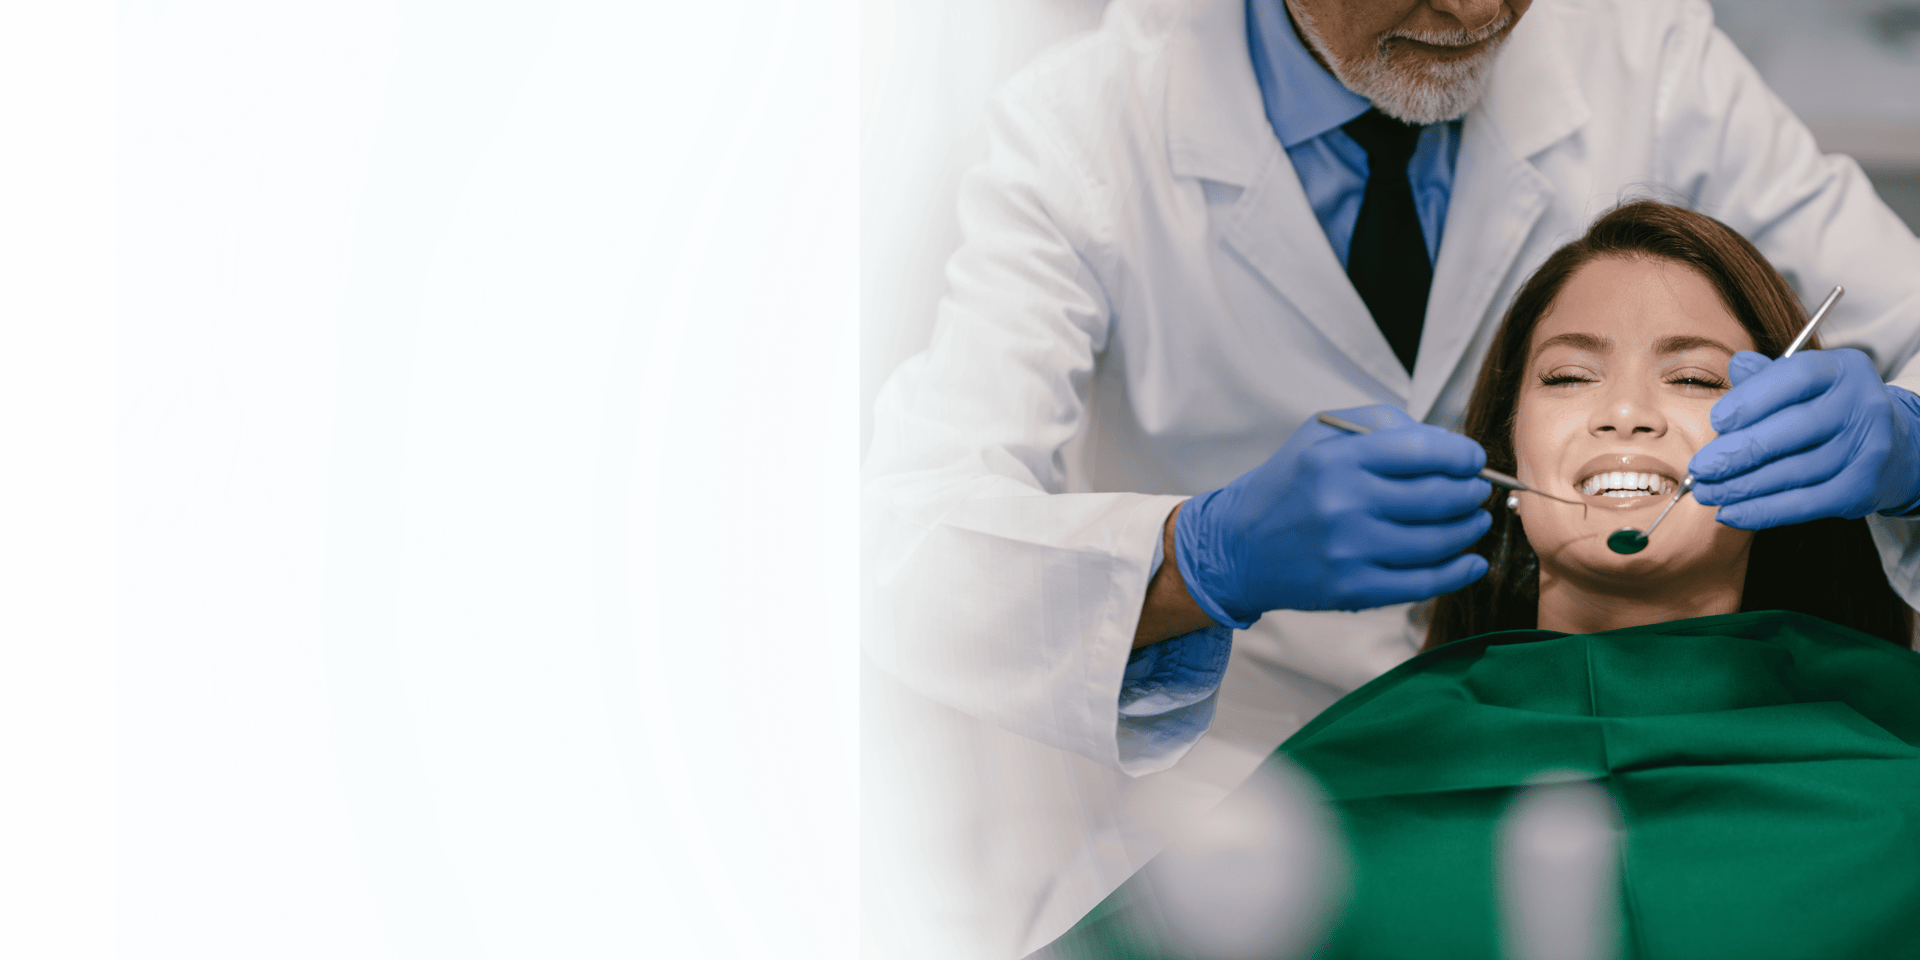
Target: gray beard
point(1413, 94)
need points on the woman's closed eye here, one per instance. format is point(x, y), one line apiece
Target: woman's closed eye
point(1699, 379)
point(1563, 377)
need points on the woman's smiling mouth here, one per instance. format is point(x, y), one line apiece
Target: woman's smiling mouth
point(1622, 484)
point(1625, 480)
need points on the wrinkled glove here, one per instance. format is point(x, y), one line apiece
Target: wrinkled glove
point(1338, 521)
point(1815, 435)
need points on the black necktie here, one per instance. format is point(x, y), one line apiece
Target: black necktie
point(1388, 259)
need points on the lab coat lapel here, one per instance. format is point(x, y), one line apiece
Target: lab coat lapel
point(1275, 230)
point(1218, 131)
point(1532, 103)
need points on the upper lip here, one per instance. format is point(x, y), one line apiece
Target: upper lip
point(1625, 463)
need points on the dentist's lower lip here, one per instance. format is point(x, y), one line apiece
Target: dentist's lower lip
point(1460, 51)
point(1499, 31)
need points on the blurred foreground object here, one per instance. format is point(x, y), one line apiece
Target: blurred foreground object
point(1558, 862)
point(1259, 878)
point(1263, 876)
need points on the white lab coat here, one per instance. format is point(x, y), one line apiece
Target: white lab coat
point(1143, 308)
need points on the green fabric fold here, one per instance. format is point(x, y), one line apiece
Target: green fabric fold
point(1766, 766)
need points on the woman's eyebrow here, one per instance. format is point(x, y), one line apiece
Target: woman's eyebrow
point(1579, 341)
point(1676, 344)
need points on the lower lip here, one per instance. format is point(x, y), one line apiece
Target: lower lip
point(1439, 52)
point(1621, 503)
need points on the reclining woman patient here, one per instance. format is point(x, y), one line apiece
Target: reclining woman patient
point(1750, 700)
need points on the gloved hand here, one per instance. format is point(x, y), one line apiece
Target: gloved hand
point(1339, 521)
point(1814, 435)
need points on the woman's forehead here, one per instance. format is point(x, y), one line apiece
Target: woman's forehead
point(1645, 305)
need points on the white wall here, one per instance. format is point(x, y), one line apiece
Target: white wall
point(1850, 69)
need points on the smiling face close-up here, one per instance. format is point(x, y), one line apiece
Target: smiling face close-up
point(1620, 376)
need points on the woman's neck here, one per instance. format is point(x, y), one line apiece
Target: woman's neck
point(1571, 605)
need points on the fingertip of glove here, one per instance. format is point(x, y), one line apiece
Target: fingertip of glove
point(1738, 519)
point(1744, 364)
point(1726, 417)
point(1708, 465)
point(1469, 458)
point(1377, 416)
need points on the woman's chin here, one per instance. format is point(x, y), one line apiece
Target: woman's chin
point(1590, 560)
point(1683, 544)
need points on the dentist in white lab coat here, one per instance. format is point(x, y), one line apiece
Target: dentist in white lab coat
point(1157, 286)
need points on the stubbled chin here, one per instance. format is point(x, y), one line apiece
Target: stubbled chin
point(1425, 92)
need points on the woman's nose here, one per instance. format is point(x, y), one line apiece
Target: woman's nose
point(1623, 413)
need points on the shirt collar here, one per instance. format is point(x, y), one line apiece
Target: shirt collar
point(1303, 99)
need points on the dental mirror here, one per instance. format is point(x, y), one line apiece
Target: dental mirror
point(1629, 540)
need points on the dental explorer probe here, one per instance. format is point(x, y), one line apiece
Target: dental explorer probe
point(1629, 540)
point(1489, 474)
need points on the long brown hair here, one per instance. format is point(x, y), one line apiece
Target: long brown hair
point(1845, 585)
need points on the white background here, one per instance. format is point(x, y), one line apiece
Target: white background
point(429, 435)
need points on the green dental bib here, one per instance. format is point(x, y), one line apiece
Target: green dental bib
point(1766, 767)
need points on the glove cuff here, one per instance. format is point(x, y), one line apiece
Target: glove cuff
point(1195, 554)
point(1900, 478)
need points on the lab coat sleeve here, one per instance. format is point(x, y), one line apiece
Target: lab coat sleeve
point(1739, 154)
point(1168, 693)
point(988, 587)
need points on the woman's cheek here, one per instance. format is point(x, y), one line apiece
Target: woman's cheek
point(1700, 423)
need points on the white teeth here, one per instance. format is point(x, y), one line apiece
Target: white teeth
point(1624, 484)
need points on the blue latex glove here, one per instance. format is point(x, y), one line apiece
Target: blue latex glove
point(1814, 435)
point(1339, 521)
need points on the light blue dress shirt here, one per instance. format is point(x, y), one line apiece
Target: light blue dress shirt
point(1168, 693)
point(1307, 108)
